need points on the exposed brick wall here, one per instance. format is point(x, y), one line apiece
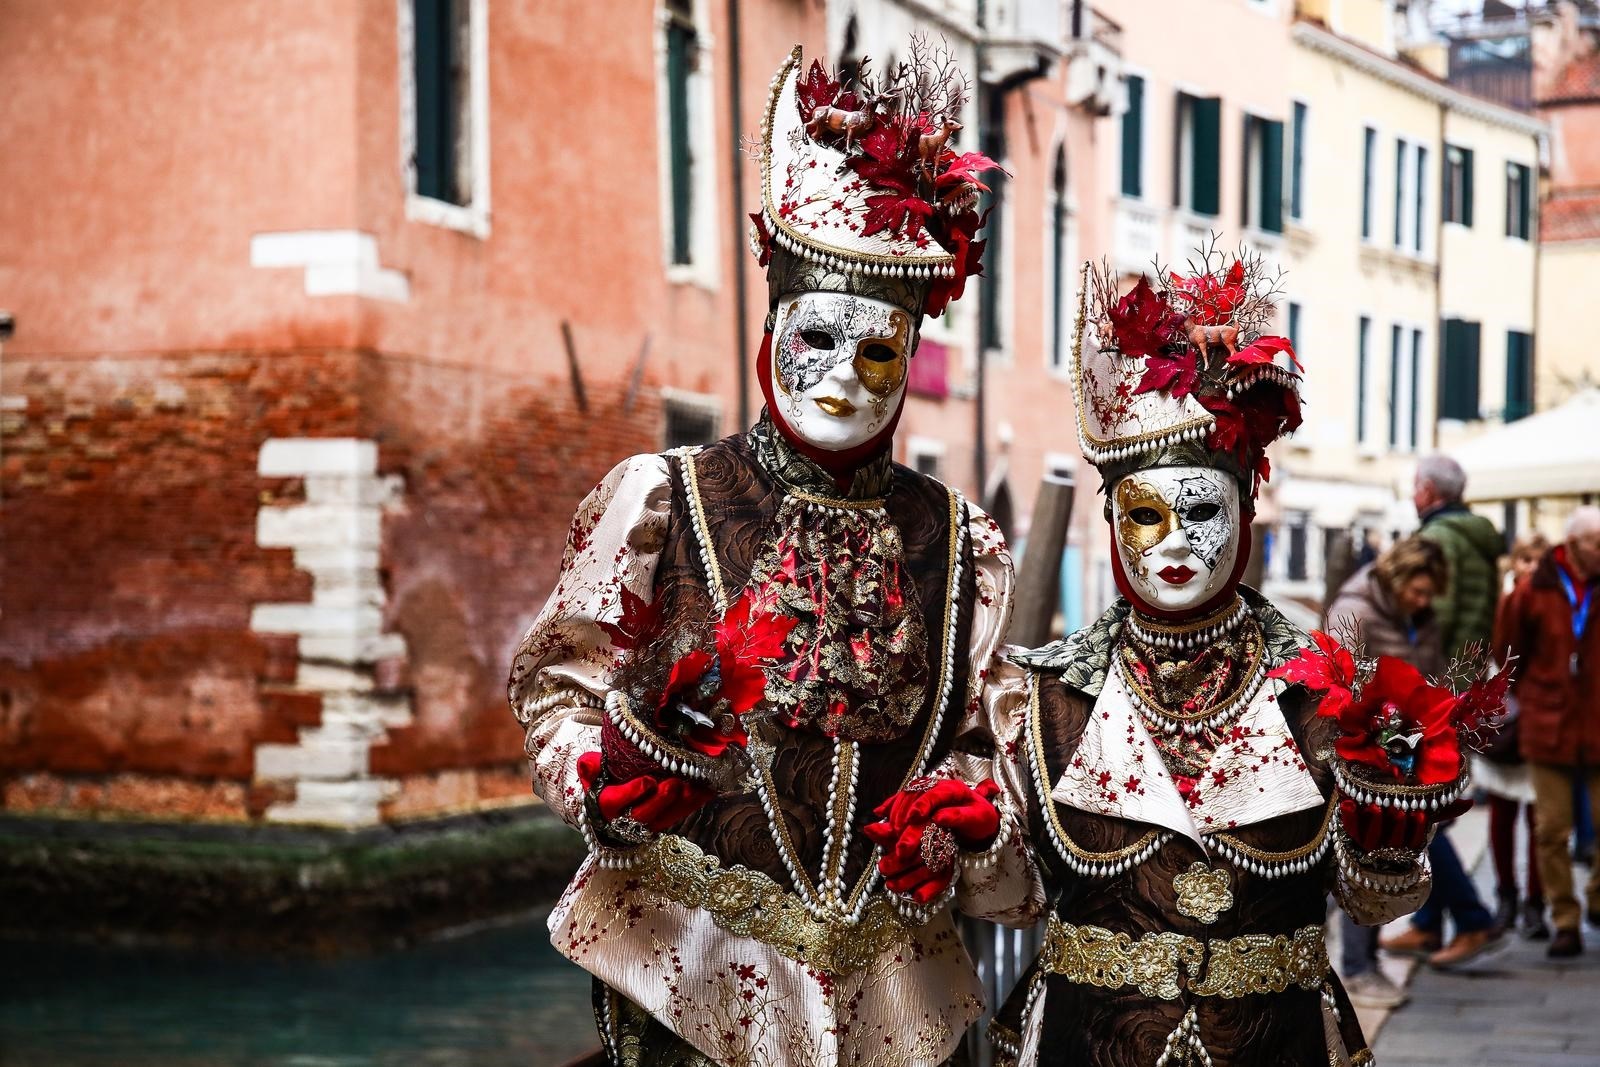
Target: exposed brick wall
point(129, 677)
point(493, 472)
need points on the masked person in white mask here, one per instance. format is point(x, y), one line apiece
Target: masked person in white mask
point(763, 653)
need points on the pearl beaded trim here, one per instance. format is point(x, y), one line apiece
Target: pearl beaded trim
point(1181, 640)
point(1424, 799)
point(1346, 855)
point(1184, 1046)
point(676, 761)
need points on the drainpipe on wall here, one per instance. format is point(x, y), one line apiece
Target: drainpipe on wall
point(741, 307)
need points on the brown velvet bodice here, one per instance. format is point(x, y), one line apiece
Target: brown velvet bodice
point(1097, 1027)
point(740, 500)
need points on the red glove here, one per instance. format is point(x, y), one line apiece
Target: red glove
point(657, 802)
point(921, 829)
point(1373, 827)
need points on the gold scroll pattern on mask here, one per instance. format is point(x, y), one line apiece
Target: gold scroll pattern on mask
point(1231, 967)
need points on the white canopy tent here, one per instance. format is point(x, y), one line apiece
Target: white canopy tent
point(1555, 453)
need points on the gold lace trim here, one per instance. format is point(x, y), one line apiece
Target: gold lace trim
point(749, 904)
point(1226, 967)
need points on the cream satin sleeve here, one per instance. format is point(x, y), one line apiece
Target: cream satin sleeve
point(1003, 884)
point(560, 673)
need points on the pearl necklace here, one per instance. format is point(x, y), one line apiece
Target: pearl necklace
point(1181, 637)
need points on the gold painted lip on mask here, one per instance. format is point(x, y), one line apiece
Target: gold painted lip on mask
point(1137, 538)
point(835, 406)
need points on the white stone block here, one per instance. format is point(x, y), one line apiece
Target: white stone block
point(350, 591)
point(348, 804)
point(286, 457)
point(314, 619)
point(319, 524)
point(332, 678)
point(319, 755)
point(352, 648)
point(336, 558)
point(299, 248)
point(364, 489)
point(367, 711)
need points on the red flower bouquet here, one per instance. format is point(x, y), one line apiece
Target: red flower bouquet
point(1400, 736)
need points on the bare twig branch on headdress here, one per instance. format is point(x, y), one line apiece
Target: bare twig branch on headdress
point(937, 85)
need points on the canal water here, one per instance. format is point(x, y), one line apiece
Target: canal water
point(495, 997)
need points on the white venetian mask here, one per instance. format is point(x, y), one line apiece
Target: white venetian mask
point(1178, 531)
point(839, 366)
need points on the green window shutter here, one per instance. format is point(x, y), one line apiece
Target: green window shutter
point(1297, 163)
point(1416, 386)
point(1399, 190)
point(1458, 384)
point(1466, 186)
point(680, 41)
point(1133, 138)
point(1272, 176)
point(1369, 162)
point(1422, 178)
point(1519, 375)
point(1396, 335)
point(431, 50)
point(1363, 342)
point(1207, 174)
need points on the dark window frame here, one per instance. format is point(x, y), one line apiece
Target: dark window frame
point(1297, 153)
point(1132, 177)
point(1369, 163)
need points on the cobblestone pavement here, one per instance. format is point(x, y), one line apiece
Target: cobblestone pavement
point(1514, 1008)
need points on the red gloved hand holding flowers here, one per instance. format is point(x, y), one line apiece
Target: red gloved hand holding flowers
point(923, 828)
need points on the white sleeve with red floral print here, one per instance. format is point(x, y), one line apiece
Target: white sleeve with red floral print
point(1004, 884)
point(560, 674)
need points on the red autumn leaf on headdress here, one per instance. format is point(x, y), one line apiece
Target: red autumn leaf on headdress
point(955, 234)
point(1265, 350)
point(1177, 374)
point(1398, 688)
point(1214, 301)
point(1231, 432)
point(896, 212)
point(816, 89)
point(639, 617)
point(746, 640)
point(958, 174)
point(1142, 322)
point(764, 256)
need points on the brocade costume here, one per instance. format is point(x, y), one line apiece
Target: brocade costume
point(706, 928)
point(732, 910)
point(1181, 788)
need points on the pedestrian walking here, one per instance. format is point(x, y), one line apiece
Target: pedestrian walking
point(1464, 615)
point(1388, 604)
point(1547, 625)
point(1503, 775)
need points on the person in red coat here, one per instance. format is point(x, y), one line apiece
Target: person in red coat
point(1548, 623)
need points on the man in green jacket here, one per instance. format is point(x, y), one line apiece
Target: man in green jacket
point(1472, 548)
point(1464, 614)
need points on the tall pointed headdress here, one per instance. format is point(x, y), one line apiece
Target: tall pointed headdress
point(862, 190)
point(1181, 373)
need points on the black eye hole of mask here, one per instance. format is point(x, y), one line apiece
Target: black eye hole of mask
point(1202, 513)
point(880, 353)
point(1145, 516)
point(818, 339)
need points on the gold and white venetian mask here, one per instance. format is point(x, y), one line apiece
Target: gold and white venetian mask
point(1178, 531)
point(839, 365)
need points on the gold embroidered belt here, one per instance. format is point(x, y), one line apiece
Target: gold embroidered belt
point(1223, 967)
point(750, 904)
